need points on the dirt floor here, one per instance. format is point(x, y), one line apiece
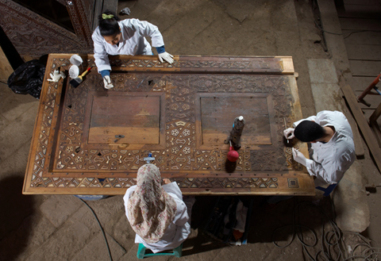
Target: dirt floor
point(57, 227)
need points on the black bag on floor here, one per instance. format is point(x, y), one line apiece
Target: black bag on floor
point(28, 78)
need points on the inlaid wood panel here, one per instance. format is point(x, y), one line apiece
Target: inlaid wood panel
point(90, 140)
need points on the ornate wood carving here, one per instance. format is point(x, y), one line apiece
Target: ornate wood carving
point(88, 7)
point(80, 13)
point(34, 35)
point(273, 65)
point(61, 156)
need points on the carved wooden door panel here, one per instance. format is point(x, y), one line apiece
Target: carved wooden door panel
point(90, 140)
point(34, 35)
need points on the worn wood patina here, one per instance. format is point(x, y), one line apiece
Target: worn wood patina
point(90, 140)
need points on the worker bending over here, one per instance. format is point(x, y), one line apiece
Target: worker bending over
point(158, 214)
point(115, 37)
point(333, 150)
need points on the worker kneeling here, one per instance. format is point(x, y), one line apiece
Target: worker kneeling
point(115, 37)
point(158, 214)
point(333, 150)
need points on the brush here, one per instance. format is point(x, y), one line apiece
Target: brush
point(77, 81)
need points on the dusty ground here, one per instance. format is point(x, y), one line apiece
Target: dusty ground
point(62, 227)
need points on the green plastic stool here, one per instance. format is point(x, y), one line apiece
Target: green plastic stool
point(142, 252)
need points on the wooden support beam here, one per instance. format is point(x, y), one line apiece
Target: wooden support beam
point(375, 115)
point(5, 68)
point(374, 125)
point(359, 148)
point(362, 122)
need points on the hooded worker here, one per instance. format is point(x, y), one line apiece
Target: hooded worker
point(115, 37)
point(158, 214)
point(333, 149)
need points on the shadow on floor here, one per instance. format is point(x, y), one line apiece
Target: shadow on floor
point(267, 223)
point(15, 208)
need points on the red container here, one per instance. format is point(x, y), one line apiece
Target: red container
point(232, 155)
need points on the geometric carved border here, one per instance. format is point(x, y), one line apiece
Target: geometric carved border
point(293, 183)
point(204, 166)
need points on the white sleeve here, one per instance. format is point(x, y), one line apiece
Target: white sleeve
point(147, 29)
point(317, 170)
point(126, 197)
point(173, 188)
point(181, 214)
point(100, 54)
point(311, 118)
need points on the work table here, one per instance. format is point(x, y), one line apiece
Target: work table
point(89, 140)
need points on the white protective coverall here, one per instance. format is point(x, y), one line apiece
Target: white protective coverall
point(132, 42)
point(330, 160)
point(177, 231)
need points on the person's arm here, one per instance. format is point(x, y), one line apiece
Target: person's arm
point(147, 29)
point(126, 197)
point(172, 187)
point(313, 168)
point(160, 49)
point(317, 170)
point(181, 209)
point(334, 165)
point(105, 73)
point(181, 214)
point(100, 55)
point(102, 61)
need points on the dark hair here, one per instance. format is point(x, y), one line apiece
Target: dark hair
point(108, 26)
point(308, 131)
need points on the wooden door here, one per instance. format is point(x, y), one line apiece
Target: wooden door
point(89, 140)
point(41, 27)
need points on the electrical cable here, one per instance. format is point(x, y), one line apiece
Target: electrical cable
point(321, 29)
point(359, 31)
point(299, 234)
point(4, 82)
point(103, 232)
point(332, 240)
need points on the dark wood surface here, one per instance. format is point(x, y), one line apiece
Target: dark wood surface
point(218, 111)
point(34, 35)
point(182, 113)
point(137, 118)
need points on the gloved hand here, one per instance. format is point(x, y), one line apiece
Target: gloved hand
point(299, 157)
point(56, 76)
point(107, 82)
point(166, 57)
point(289, 133)
point(125, 11)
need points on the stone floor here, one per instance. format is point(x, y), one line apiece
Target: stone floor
point(58, 227)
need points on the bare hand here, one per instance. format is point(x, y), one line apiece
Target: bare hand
point(166, 181)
